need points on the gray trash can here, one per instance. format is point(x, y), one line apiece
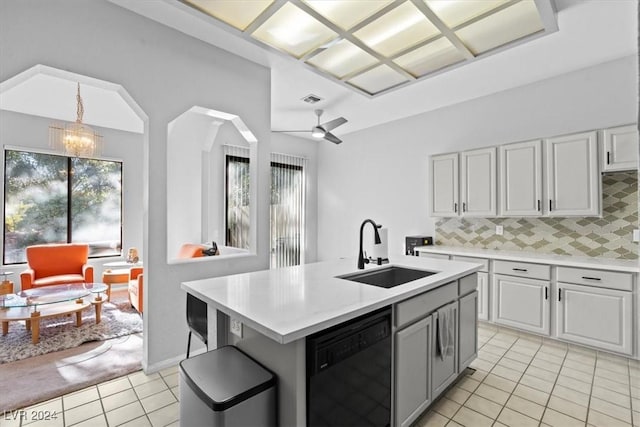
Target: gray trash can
point(225, 387)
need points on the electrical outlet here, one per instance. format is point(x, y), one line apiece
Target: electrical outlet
point(499, 230)
point(235, 326)
point(636, 235)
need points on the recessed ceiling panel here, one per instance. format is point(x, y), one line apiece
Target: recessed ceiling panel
point(237, 13)
point(293, 31)
point(456, 12)
point(507, 25)
point(430, 57)
point(347, 13)
point(373, 45)
point(377, 79)
point(342, 58)
point(399, 29)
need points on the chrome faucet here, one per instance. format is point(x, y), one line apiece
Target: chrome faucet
point(361, 259)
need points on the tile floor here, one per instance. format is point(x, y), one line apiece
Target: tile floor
point(520, 380)
point(133, 400)
point(525, 380)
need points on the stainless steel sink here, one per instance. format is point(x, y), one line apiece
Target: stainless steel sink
point(387, 277)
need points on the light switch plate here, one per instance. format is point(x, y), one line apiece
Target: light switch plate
point(235, 326)
point(636, 235)
point(499, 230)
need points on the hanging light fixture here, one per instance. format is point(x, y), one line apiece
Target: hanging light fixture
point(75, 139)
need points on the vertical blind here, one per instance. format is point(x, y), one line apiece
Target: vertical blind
point(237, 185)
point(287, 210)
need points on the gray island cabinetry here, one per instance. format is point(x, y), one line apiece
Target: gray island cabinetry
point(432, 331)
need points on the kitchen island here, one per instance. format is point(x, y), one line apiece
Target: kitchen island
point(280, 308)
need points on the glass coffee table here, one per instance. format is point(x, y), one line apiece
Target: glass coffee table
point(49, 301)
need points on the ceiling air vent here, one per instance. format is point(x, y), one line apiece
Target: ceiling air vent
point(312, 99)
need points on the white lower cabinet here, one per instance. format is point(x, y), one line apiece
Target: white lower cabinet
point(521, 303)
point(595, 316)
point(413, 349)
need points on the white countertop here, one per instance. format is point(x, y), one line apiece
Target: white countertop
point(290, 303)
point(630, 266)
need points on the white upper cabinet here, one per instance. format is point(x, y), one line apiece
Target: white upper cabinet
point(521, 179)
point(444, 185)
point(478, 182)
point(573, 178)
point(620, 148)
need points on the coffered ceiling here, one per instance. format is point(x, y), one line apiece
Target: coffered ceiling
point(589, 33)
point(374, 46)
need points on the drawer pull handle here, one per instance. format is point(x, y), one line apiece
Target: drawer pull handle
point(591, 278)
point(520, 269)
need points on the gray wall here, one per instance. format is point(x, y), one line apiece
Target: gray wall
point(166, 73)
point(382, 172)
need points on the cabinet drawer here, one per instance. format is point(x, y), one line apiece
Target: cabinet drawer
point(436, 256)
point(599, 278)
point(522, 269)
point(483, 261)
point(423, 304)
point(468, 284)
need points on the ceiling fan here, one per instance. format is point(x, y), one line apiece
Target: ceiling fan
point(323, 130)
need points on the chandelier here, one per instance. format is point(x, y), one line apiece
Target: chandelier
point(75, 139)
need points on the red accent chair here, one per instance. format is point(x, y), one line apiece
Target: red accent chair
point(56, 264)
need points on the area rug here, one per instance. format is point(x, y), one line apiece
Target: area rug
point(59, 333)
point(38, 379)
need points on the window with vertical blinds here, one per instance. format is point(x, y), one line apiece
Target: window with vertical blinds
point(237, 196)
point(287, 210)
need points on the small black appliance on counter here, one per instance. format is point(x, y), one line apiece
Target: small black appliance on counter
point(412, 241)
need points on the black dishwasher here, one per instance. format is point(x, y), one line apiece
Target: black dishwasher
point(349, 373)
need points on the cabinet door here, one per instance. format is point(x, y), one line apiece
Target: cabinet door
point(573, 179)
point(444, 369)
point(521, 303)
point(483, 296)
point(413, 370)
point(468, 330)
point(444, 185)
point(521, 179)
point(620, 149)
point(594, 316)
point(478, 182)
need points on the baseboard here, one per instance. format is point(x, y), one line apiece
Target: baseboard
point(168, 363)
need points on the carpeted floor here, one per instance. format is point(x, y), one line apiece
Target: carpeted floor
point(39, 378)
point(60, 332)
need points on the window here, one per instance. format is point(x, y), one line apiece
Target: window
point(57, 199)
point(237, 202)
point(287, 210)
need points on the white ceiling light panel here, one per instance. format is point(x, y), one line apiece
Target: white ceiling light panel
point(293, 31)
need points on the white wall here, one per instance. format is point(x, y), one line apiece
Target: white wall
point(32, 133)
point(382, 172)
point(166, 73)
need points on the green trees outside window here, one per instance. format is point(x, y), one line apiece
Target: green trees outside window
point(57, 199)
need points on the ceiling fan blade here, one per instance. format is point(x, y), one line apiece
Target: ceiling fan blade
point(331, 137)
point(332, 124)
point(307, 130)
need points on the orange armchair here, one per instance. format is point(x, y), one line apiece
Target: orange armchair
point(56, 264)
point(136, 288)
point(191, 250)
